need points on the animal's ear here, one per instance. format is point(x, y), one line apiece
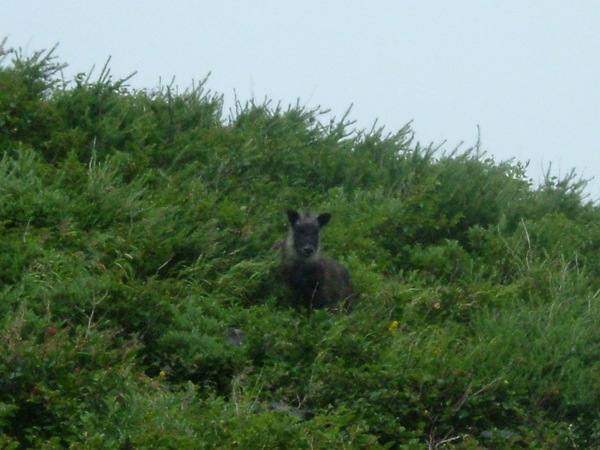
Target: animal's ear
point(293, 216)
point(323, 219)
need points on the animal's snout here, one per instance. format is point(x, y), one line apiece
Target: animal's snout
point(308, 251)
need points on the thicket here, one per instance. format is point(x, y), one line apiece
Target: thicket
point(141, 306)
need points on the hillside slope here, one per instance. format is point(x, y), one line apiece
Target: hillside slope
point(141, 306)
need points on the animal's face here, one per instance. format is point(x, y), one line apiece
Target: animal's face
point(305, 232)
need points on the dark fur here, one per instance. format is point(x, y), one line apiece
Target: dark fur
point(316, 281)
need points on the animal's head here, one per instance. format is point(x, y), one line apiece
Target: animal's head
point(304, 233)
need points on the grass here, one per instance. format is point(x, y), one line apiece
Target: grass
point(142, 306)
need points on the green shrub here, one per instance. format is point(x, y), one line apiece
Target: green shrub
point(142, 306)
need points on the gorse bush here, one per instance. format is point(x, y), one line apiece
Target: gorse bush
point(142, 306)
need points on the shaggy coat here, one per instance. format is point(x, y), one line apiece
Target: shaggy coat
point(316, 281)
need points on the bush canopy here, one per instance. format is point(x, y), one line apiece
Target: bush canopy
point(142, 306)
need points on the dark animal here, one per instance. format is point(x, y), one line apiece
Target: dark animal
point(316, 281)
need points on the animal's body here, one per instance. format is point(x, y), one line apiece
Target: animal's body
point(316, 281)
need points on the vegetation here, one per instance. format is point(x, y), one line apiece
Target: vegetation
point(141, 305)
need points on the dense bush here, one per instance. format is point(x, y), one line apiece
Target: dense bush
point(141, 306)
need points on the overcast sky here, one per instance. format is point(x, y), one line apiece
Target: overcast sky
point(526, 72)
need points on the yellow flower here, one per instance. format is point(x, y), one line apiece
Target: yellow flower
point(162, 374)
point(394, 325)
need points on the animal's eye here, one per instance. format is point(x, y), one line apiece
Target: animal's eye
point(307, 231)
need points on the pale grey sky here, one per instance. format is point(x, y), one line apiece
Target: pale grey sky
point(526, 72)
